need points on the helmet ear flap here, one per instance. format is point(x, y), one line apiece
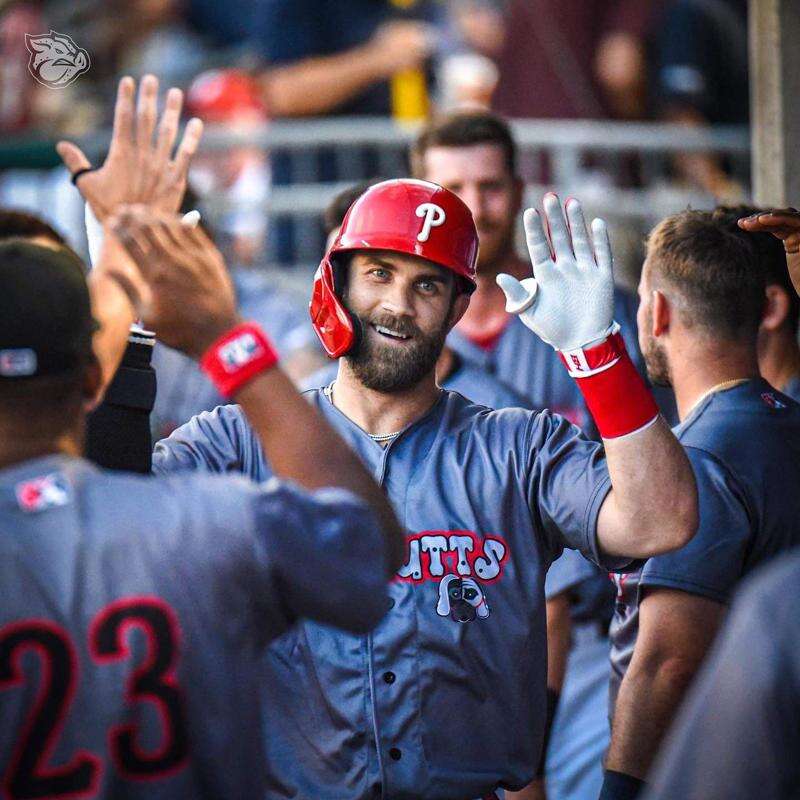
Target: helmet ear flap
point(333, 324)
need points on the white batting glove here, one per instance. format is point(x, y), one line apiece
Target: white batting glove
point(569, 303)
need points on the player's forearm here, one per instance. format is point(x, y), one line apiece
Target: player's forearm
point(307, 450)
point(318, 85)
point(653, 506)
point(112, 310)
point(559, 629)
point(648, 699)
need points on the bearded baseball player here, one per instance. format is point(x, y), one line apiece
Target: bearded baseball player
point(446, 699)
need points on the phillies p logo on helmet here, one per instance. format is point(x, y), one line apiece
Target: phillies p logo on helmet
point(434, 217)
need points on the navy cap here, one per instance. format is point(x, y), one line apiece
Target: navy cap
point(46, 322)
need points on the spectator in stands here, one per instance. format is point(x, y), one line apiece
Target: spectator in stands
point(573, 60)
point(778, 350)
point(737, 737)
point(326, 56)
point(237, 177)
point(701, 78)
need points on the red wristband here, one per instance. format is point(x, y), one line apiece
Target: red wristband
point(237, 357)
point(615, 393)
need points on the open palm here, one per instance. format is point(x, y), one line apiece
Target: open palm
point(140, 167)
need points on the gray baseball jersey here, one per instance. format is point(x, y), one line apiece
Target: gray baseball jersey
point(135, 614)
point(445, 699)
point(737, 736)
point(744, 446)
point(183, 388)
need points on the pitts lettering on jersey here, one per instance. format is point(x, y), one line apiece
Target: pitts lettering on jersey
point(455, 560)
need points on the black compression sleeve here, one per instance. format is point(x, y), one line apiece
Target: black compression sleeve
point(118, 430)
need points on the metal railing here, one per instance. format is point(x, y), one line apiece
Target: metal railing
point(620, 170)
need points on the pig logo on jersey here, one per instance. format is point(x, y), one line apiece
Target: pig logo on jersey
point(38, 494)
point(434, 217)
point(461, 564)
point(56, 61)
point(461, 599)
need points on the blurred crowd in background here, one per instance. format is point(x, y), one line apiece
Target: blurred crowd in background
point(249, 64)
point(683, 60)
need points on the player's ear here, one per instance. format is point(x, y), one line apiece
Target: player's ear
point(92, 388)
point(458, 308)
point(662, 313)
point(776, 308)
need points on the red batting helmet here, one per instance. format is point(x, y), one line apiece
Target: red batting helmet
point(407, 216)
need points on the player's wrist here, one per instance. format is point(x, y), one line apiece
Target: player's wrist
point(620, 786)
point(617, 397)
point(237, 356)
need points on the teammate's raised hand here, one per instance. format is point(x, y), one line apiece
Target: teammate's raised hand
point(784, 224)
point(192, 300)
point(140, 167)
point(569, 301)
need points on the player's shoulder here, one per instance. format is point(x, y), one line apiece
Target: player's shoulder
point(464, 416)
point(197, 490)
point(484, 388)
point(727, 419)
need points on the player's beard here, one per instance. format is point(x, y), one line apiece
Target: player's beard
point(389, 368)
point(655, 358)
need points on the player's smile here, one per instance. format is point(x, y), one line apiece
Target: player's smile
point(391, 334)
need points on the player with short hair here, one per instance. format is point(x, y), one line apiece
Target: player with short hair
point(16, 223)
point(778, 349)
point(702, 296)
point(135, 610)
point(474, 154)
point(446, 699)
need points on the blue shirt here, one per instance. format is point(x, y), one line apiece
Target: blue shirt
point(446, 699)
point(737, 736)
point(744, 446)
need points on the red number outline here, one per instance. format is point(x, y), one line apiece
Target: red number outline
point(168, 678)
point(45, 686)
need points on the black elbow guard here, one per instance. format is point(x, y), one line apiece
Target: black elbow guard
point(118, 430)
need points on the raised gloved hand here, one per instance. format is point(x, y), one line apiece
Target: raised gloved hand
point(569, 303)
